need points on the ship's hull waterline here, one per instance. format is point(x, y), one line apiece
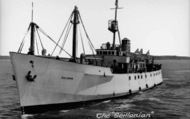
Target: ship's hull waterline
point(57, 82)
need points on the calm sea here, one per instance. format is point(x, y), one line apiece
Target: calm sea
point(171, 100)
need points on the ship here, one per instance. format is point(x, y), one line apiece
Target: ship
point(47, 82)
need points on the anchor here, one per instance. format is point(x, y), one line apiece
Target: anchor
point(29, 77)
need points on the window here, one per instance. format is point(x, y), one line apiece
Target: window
point(98, 52)
point(129, 77)
point(109, 52)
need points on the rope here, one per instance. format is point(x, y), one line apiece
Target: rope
point(37, 47)
point(89, 41)
point(91, 47)
point(39, 38)
point(82, 41)
point(22, 43)
point(86, 34)
point(53, 41)
point(119, 36)
point(65, 38)
point(62, 33)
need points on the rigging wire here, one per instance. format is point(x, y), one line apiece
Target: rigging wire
point(53, 41)
point(82, 41)
point(62, 32)
point(39, 38)
point(23, 40)
point(91, 47)
point(119, 36)
point(66, 36)
point(37, 46)
point(87, 34)
point(89, 41)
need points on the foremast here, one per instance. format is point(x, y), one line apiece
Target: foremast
point(32, 39)
point(75, 22)
point(32, 27)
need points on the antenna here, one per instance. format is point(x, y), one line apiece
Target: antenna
point(116, 8)
point(32, 12)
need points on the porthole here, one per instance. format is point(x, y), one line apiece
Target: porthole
point(146, 85)
point(130, 92)
point(129, 77)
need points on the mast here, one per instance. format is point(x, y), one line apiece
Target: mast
point(114, 33)
point(32, 39)
point(113, 24)
point(32, 36)
point(75, 23)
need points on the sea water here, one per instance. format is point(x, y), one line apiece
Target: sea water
point(171, 100)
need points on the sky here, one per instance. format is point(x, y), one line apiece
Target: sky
point(161, 26)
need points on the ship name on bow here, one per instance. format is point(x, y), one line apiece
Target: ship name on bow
point(67, 78)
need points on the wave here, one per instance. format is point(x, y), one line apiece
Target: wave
point(27, 116)
point(182, 71)
point(154, 99)
point(125, 106)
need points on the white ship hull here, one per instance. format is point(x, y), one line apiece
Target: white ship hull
point(60, 82)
